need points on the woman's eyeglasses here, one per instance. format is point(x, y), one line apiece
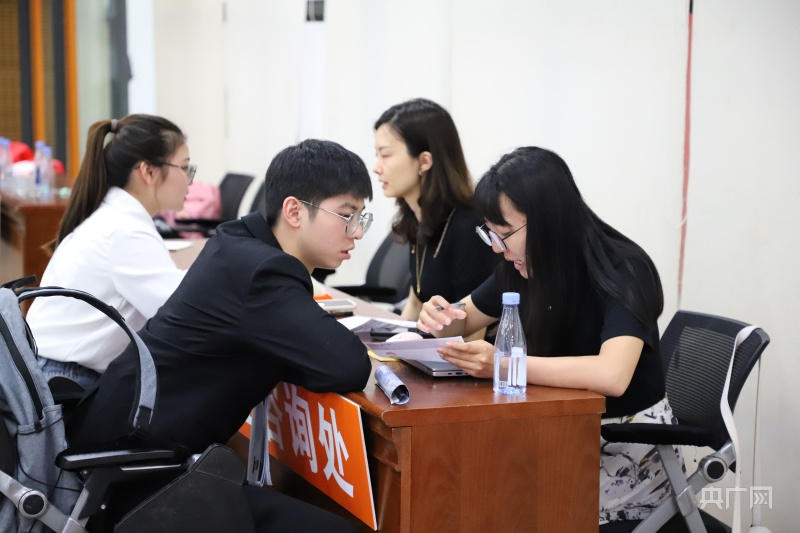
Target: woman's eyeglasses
point(352, 221)
point(489, 237)
point(190, 170)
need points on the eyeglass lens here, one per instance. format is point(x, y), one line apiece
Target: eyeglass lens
point(364, 220)
point(489, 237)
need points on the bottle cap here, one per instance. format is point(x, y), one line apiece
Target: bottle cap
point(510, 298)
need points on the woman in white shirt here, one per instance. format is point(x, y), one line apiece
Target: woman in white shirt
point(108, 246)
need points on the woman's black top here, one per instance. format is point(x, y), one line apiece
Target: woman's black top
point(463, 260)
point(599, 318)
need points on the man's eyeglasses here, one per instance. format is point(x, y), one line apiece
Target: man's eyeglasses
point(489, 237)
point(352, 221)
point(188, 169)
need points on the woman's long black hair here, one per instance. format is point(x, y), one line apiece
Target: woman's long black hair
point(569, 249)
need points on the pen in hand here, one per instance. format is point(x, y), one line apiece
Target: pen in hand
point(457, 305)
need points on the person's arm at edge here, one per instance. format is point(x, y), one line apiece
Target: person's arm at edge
point(413, 306)
point(608, 373)
point(321, 354)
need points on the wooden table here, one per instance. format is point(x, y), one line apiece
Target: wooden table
point(458, 458)
point(185, 257)
point(27, 224)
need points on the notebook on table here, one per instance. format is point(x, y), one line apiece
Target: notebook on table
point(420, 354)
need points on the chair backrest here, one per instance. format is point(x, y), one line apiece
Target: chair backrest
point(696, 350)
point(32, 418)
point(389, 268)
point(231, 191)
point(259, 201)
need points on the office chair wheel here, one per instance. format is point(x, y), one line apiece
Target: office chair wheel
point(713, 468)
point(33, 504)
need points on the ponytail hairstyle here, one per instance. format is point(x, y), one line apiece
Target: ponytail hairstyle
point(136, 139)
point(425, 126)
point(569, 250)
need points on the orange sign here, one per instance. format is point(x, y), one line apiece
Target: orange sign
point(321, 438)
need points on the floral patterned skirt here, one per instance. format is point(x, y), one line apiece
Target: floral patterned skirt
point(633, 481)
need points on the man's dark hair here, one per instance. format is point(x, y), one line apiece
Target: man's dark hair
point(313, 170)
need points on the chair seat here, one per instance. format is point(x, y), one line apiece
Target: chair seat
point(675, 525)
point(659, 434)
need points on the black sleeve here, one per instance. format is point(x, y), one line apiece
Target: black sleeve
point(488, 298)
point(619, 322)
point(313, 349)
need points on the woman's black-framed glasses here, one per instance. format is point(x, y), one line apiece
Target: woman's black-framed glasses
point(489, 237)
point(190, 170)
point(352, 221)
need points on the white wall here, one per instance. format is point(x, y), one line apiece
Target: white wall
point(189, 71)
point(141, 43)
point(601, 83)
point(94, 67)
point(551, 74)
point(743, 248)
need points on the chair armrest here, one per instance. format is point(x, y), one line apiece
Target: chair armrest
point(657, 434)
point(72, 461)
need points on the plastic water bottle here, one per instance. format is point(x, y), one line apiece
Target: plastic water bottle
point(37, 164)
point(45, 173)
point(510, 350)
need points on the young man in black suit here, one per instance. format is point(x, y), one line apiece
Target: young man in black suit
point(244, 319)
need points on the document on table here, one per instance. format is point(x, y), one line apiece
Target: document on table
point(417, 350)
point(173, 245)
point(358, 324)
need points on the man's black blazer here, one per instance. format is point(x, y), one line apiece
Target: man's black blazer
point(242, 320)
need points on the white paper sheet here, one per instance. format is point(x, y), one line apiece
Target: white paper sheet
point(365, 323)
point(418, 350)
point(173, 245)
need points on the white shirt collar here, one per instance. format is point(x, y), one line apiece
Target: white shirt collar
point(123, 201)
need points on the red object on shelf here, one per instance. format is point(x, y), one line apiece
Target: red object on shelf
point(20, 151)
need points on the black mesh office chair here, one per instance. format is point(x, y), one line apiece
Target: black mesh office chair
point(44, 484)
point(388, 276)
point(696, 351)
point(259, 201)
point(232, 189)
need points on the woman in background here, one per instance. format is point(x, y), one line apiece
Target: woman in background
point(419, 162)
point(108, 246)
point(590, 298)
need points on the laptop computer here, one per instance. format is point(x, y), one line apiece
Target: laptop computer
point(420, 354)
point(437, 369)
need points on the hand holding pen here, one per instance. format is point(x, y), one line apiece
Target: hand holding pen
point(456, 305)
point(437, 313)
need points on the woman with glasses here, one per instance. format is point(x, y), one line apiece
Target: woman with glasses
point(419, 162)
point(108, 246)
point(590, 298)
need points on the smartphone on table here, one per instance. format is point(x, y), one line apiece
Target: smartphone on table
point(381, 333)
point(338, 306)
